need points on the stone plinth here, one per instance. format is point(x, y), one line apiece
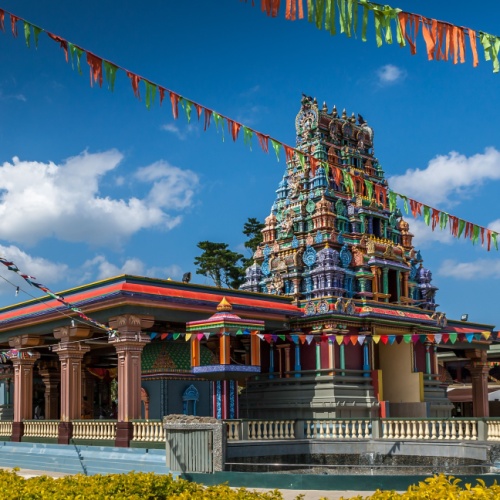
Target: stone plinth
point(195, 443)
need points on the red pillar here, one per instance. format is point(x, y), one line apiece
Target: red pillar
point(479, 370)
point(23, 393)
point(23, 382)
point(129, 344)
point(70, 355)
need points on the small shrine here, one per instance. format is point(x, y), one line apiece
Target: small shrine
point(236, 342)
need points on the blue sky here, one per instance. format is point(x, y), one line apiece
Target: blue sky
point(94, 185)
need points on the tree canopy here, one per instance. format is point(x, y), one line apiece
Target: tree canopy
point(225, 267)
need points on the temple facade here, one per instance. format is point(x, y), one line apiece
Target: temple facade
point(337, 317)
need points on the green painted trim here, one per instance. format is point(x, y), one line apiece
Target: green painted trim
point(305, 482)
point(140, 444)
point(30, 439)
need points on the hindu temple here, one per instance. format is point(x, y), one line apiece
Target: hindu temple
point(337, 318)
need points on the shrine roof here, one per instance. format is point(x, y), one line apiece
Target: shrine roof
point(164, 299)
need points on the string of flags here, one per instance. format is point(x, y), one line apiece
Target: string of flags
point(340, 339)
point(443, 41)
point(31, 280)
point(100, 68)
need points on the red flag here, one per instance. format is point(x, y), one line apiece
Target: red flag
point(2, 17)
point(488, 238)
point(289, 152)
point(162, 94)
point(413, 25)
point(263, 141)
point(95, 64)
point(416, 207)
point(199, 109)
point(208, 114)
point(135, 79)
point(13, 21)
point(429, 31)
point(473, 47)
point(314, 165)
point(63, 43)
point(291, 10)
point(435, 218)
point(174, 99)
point(234, 128)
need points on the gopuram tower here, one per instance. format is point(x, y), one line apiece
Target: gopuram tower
point(336, 243)
point(331, 233)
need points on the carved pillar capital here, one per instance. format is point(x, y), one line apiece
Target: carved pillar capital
point(71, 333)
point(129, 325)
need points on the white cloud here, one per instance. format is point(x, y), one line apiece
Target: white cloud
point(424, 236)
point(45, 271)
point(479, 269)
point(495, 226)
point(100, 268)
point(390, 74)
point(181, 134)
point(42, 200)
point(172, 188)
point(448, 177)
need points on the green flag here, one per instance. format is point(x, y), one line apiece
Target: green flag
point(36, 34)
point(461, 227)
point(302, 160)
point(310, 11)
point(330, 17)
point(494, 238)
point(187, 106)
point(427, 215)
point(247, 136)
point(491, 46)
point(77, 52)
point(392, 201)
point(443, 221)
point(219, 120)
point(150, 93)
point(475, 234)
point(110, 71)
point(27, 33)
point(276, 146)
point(369, 189)
point(320, 11)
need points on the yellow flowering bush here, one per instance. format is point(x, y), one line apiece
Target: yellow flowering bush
point(439, 488)
point(132, 486)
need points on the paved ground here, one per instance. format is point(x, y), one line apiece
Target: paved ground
point(287, 494)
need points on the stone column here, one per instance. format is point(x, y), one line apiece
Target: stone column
point(23, 382)
point(129, 344)
point(51, 376)
point(406, 292)
point(479, 370)
point(70, 353)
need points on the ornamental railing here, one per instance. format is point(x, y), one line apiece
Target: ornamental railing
point(338, 429)
point(40, 428)
point(430, 429)
point(148, 431)
point(363, 429)
point(96, 430)
point(5, 427)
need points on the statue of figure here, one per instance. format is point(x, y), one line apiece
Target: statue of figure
point(277, 284)
point(287, 223)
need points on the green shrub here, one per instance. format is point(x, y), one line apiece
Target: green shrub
point(132, 486)
point(439, 488)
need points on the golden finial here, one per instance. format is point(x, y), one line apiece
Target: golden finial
point(224, 305)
